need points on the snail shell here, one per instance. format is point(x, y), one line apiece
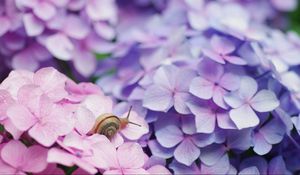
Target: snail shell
point(109, 125)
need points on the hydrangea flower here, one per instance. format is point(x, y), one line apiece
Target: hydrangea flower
point(245, 100)
point(220, 51)
point(16, 158)
point(170, 88)
point(213, 82)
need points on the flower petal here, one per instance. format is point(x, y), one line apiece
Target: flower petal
point(130, 155)
point(264, 101)
point(212, 154)
point(160, 151)
point(250, 170)
point(76, 27)
point(13, 153)
point(261, 146)
point(186, 152)
point(222, 45)
point(169, 136)
point(201, 88)
point(85, 120)
point(60, 46)
point(248, 87)
point(44, 10)
point(33, 26)
point(244, 117)
point(210, 70)
point(35, 159)
point(21, 117)
point(158, 98)
point(134, 132)
point(5, 25)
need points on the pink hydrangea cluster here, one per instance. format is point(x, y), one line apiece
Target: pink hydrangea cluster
point(48, 120)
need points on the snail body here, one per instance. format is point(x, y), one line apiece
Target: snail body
point(109, 124)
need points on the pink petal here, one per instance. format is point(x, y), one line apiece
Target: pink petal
point(11, 128)
point(113, 172)
point(201, 88)
point(186, 152)
point(85, 120)
point(60, 46)
point(244, 117)
point(5, 25)
point(140, 171)
point(15, 80)
point(13, 153)
point(98, 104)
point(35, 159)
point(73, 140)
point(134, 132)
point(117, 140)
point(222, 45)
point(158, 98)
point(43, 135)
point(105, 155)
point(5, 101)
point(6, 169)
point(130, 155)
point(21, 117)
point(52, 169)
point(51, 82)
point(30, 96)
point(56, 155)
point(33, 26)
point(76, 27)
point(264, 101)
point(44, 10)
point(60, 120)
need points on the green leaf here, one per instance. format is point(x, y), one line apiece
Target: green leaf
point(103, 56)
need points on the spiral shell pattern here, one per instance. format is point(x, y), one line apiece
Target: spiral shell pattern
point(107, 125)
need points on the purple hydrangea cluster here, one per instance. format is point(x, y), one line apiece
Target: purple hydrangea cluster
point(218, 85)
point(34, 32)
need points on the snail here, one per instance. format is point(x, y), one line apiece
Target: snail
point(109, 124)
